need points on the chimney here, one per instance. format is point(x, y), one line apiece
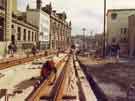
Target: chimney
point(39, 4)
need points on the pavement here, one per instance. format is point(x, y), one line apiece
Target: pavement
point(8, 57)
point(114, 60)
point(19, 80)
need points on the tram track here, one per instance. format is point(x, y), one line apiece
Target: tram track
point(60, 89)
point(51, 93)
point(14, 62)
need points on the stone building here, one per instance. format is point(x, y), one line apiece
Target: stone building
point(14, 5)
point(2, 17)
point(117, 28)
point(15, 27)
point(24, 34)
point(60, 29)
point(41, 19)
point(131, 26)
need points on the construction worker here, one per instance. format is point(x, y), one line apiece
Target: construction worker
point(47, 69)
point(53, 70)
point(115, 49)
point(34, 50)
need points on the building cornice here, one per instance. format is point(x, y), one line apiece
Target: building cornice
point(117, 10)
point(14, 20)
point(60, 21)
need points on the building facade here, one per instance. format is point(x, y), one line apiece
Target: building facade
point(131, 26)
point(14, 28)
point(24, 35)
point(41, 19)
point(14, 5)
point(60, 32)
point(117, 28)
point(42, 26)
point(2, 18)
point(60, 29)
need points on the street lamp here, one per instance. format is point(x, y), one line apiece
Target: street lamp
point(84, 29)
point(104, 39)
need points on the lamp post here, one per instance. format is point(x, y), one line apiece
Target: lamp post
point(104, 36)
point(84, 29)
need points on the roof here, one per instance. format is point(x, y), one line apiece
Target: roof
point(111, 10)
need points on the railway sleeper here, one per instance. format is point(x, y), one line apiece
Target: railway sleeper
point(69, 97)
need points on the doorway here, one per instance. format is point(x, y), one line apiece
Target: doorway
point(13, 39)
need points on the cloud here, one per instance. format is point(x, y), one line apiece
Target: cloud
point(85, 13)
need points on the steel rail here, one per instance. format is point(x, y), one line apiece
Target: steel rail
point(39, 92)
point(15, 62)
point(59, 90)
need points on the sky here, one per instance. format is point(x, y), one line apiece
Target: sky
point(83, 13)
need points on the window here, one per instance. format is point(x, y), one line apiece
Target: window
point(24, 36)
point(35, 36)
point(12, 26)
point(123, 40)
point(32, 36)
point(29, 35)
point(121, 30)
point(125, 30)
point(114, 16)
point(19, 33)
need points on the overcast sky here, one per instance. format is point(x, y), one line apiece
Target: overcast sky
point(83, 13)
